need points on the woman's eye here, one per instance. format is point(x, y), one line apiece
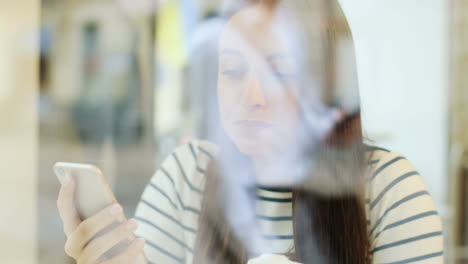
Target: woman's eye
point(284, 75)
point(282, 71)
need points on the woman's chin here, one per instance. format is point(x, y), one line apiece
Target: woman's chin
point(252, 147)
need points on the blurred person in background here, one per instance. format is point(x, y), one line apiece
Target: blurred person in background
point(285, 174)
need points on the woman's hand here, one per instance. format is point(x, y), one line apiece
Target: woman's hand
point(82, 245)
point(271, 259)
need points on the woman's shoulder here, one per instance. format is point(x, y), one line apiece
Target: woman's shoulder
point(186, 164)
point(401, 212)
point(394, 184)
point(191, 153)
point(393, 181)
point(196, 148)
point(384, 163)
point(196, 153)
point(388, 169)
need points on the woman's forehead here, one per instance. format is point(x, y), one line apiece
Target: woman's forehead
point(256, 27)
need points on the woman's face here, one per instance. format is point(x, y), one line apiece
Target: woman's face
point(257, 90)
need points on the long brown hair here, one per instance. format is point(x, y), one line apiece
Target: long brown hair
point(327, 229)
point(337, 225)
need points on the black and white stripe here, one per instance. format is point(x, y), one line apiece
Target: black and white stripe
point(403, 225)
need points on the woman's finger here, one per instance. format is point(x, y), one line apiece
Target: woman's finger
point(89, 228)
point(100, 245)
point(129, 254)
point(66, 205)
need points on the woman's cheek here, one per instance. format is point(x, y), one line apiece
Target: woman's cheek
point(225, 110)
point(228, 98)
point(225, 106)
point(288, 116)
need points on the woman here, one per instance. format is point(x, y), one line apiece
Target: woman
point(285, 171)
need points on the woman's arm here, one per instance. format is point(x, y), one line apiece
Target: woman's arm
point(404, 224)
point(169, 207)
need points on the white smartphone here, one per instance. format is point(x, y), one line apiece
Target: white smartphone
point(92, 194)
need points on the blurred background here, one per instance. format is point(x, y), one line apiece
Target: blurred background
point(109, 82)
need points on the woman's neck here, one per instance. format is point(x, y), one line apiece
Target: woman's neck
point(273, 170)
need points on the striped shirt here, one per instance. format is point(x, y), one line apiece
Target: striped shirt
point(403, 224)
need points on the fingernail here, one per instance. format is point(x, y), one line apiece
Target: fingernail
point(132, 225)
point(66, 180)
point(115, 209)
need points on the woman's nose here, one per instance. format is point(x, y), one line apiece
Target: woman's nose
point(254, 95)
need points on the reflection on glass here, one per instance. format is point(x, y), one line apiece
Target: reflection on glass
point(257, 131)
